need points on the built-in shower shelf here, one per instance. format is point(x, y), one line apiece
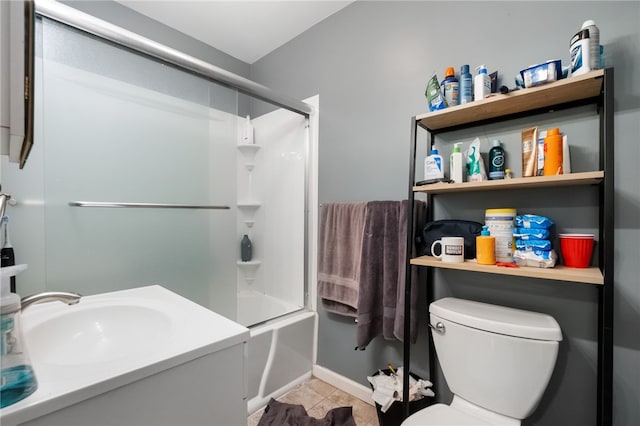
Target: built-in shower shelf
point(249, 269)
point(249, 205)
point(248, 150)
point(250, 263)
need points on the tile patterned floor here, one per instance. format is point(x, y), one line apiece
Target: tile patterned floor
point(318, 397)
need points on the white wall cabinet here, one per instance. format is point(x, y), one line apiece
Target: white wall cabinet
point(16, 89)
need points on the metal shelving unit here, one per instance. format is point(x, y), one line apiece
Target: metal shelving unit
point(596, 88)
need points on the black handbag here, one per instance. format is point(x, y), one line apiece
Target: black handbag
point(437, 229)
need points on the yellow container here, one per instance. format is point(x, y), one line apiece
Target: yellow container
point(500, 223)
point(485, 248)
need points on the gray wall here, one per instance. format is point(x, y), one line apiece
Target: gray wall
point(370, 63)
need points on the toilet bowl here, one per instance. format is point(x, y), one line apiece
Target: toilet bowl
point(497, 361)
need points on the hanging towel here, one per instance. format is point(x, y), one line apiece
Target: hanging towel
point(339, 252)
point(419, 220)
point(380, 309)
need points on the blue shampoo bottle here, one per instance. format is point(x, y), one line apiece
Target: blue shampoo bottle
point(466, 85)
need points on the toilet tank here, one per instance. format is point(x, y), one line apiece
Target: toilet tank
point(498, 358)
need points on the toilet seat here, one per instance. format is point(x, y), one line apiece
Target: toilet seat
point(442, 415)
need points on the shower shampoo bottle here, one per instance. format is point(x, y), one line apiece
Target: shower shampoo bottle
point(246, 249)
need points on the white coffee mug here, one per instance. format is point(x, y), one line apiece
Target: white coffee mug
point(452, 249)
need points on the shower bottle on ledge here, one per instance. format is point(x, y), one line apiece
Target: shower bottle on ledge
point(245, 249)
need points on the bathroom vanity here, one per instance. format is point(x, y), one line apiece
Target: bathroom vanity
point(139, 356)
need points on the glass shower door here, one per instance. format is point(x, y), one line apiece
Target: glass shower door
point(120, 128)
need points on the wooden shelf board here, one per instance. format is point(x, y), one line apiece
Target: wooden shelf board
point(571, 179)
point(560, 272)
point(567, 90)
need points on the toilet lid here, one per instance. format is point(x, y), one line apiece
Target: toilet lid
point(442, 415)
point(498, 319)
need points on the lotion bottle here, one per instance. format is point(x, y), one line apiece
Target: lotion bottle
point(456, 167)
point(485, 247)
point(433, 168)
point(481, 84)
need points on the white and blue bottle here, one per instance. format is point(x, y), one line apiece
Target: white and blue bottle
point(481, 84)
point(433, 168)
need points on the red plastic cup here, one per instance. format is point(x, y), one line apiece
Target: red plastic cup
point(576, 249)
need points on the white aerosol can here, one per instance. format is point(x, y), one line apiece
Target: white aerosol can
point(594, 44)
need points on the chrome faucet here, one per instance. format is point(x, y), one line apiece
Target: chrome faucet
point(49, 296)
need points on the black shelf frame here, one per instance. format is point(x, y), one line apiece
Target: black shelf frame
point(605, 109)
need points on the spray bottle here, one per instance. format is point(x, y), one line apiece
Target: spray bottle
point(456, 166)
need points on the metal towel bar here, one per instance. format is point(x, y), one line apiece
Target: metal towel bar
point(144, 205)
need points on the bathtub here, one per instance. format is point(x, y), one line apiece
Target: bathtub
point(255, 307)
point(280, 356)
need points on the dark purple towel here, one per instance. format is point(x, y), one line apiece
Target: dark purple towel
point(382, 272)
point(282, 414)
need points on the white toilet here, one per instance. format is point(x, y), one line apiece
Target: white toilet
point(496, 360)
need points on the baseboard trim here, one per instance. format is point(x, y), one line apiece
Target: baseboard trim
point(343, 383)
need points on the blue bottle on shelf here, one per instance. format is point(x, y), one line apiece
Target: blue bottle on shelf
point(465, 85)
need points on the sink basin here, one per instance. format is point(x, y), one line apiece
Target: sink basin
point(87, 333)
point(130, 339)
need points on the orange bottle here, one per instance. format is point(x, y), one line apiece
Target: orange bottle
point(553, 152)
point(485, 248)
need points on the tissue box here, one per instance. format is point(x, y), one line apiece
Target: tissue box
point(539, 74)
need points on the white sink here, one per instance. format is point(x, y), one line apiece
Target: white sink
point(112, 341)
point(92, 332)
